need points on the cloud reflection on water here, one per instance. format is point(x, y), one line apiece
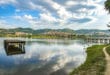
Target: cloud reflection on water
point(49, 58)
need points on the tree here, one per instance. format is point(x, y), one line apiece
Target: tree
point(107, 5)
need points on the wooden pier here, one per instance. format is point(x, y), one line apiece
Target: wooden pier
point(103, 40)
point(14, 47)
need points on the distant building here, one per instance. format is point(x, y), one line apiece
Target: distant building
point(100, 33)
point(22, 33)
point(58, 34)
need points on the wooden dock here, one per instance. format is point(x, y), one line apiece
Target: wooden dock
point(103, 40)
point(13, 47)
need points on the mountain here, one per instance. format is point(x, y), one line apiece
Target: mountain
point(92, 31)
point(42, 31)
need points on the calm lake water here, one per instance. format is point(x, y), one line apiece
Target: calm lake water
point(43, 57)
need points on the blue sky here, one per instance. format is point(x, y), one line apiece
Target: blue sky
point(54, 14)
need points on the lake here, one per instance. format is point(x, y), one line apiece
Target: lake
point(43, 57)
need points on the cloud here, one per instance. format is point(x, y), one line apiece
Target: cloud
point(47, 17)
point(7, 1)
point(4, 24)
point(56, 13)
point(53, 57)
point(56, 54)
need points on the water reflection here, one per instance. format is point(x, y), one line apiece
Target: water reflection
point(43, 57)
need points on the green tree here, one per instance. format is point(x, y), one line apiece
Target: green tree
point(107, 5)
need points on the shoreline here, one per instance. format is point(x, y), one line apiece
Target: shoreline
point(95, 63)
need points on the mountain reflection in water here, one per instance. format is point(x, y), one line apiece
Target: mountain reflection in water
point(43, 57)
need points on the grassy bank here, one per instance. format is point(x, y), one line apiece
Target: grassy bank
point(94, 64)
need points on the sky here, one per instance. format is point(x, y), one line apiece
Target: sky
point(54, 14)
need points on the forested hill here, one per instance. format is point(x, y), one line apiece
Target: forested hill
point(41, 31)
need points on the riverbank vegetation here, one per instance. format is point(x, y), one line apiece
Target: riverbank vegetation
point(42, 36)
point(94, 64)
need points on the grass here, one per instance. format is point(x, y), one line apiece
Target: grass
point(108, 49)
point(94, 64)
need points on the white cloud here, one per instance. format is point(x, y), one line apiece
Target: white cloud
point(7, 1)
point(59, 14)
point(47, 17)
point(70, 3)
point(17, 17)
point(56, 6)
point(4, 24)
point(29, 17)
